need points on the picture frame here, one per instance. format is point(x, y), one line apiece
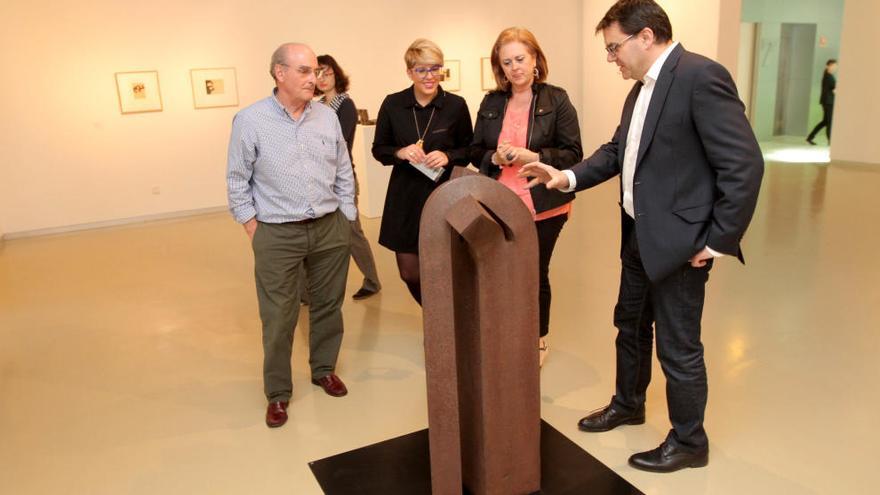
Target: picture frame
point(487, 77)
point(452, 75)
point(214, 87)
point(138, 91)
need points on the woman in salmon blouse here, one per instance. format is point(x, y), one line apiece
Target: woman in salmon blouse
point(527, 120)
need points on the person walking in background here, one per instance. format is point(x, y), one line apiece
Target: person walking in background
point(829, 83)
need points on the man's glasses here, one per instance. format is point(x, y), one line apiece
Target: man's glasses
point(308, 71)
point(612, 48)
point(434, 70)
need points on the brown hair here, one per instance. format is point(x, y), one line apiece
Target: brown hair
point(635, 15)
point(525, 37)
point(341, 78)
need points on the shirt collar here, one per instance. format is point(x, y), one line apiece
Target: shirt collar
point(280, 107)
point(437, 101)
point(654, 72)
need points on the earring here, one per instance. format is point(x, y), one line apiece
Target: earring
point(537, 73)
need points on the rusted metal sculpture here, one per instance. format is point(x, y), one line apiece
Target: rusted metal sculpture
point(479, 272)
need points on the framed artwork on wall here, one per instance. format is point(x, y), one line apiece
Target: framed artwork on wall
point(487, 77)
point(213, 88)
point(138, 91)
point(452, 75)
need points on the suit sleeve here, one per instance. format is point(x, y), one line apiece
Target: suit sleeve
point(732, 152)
point(600, 166)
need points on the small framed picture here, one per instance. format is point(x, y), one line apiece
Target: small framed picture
point(138, 91)
point(487, 77)
point(213, 88)
point(452, 75)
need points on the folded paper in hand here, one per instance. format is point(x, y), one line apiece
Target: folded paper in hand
point(432, 173)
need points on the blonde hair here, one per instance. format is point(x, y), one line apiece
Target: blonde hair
point(422, 51)
point(525, 37)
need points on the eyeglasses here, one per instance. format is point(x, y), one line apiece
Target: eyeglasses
point(612, 48)
point(324, 72)
point(308, 71)
point(422, 72)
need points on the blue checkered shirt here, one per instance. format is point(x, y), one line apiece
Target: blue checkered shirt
point(281, 169)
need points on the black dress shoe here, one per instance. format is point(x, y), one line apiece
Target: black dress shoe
point(609, 417)
point(363, 293)
point(811, 141)
point(668, 458)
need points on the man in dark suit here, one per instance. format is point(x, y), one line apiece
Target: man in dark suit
point(829, 82)
point(690, 171)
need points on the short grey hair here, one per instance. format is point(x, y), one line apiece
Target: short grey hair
point(279, 57)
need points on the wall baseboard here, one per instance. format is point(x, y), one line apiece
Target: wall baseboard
point(110, 223)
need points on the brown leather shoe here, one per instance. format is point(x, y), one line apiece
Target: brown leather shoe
point(331, 384)
point(276, 414)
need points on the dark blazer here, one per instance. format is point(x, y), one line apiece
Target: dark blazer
point(698, 170)
point(828, 84)
point(553, 133)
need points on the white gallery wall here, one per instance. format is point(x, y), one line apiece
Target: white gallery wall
point(71, 158)
point(856, 104)
point(695, 24)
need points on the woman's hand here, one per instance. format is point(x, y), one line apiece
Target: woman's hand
point(508, 155)
point(436, 159)
point(413, 153)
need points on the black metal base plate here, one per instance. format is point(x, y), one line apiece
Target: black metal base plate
point(401, 466)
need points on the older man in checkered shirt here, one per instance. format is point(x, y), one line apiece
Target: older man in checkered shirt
point(290, 184)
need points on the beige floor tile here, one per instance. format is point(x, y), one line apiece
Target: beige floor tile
point(130, 357)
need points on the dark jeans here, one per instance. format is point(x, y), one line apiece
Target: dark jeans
point(548, 233)
point(675, 306)
point(827, 112)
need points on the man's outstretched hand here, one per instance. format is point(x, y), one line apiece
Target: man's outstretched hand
point(541, 173)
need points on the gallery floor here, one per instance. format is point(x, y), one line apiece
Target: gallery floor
point(130, 357)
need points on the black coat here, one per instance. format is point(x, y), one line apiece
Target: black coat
point(450, 131)
point(698, 170)
point(553, 133)
point(828, 84)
